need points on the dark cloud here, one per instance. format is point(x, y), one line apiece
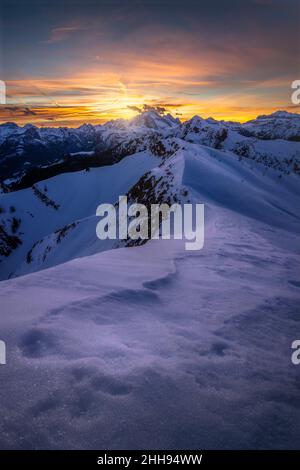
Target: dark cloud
point(29, 112)
point(135, 108)
point(148, 107)
point(21, 110)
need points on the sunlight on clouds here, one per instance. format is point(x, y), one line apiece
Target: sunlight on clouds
point(93, 96)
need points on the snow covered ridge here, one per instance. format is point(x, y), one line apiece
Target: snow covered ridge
point(29, 154)
point(279, 125)
point(121, 344)
point(155, 347)
point(55, 220)
point(48, 211)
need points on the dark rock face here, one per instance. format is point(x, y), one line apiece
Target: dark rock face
point(8, 243)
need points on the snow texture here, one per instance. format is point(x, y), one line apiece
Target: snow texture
point(153, 346)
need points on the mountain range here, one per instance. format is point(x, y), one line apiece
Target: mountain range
point(29, 154)
point(53, 179)
point(150, 346)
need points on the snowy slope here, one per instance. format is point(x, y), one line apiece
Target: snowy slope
point(279, 125)
point(29, 154)
point(153, 346)
point(248, 140)
point(76, 196)
point(157, 347)
point(56, 218)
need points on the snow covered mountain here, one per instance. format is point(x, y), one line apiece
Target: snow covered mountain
point(279, 125)
point(151, 346)
point(52, 219)
point(29, 154)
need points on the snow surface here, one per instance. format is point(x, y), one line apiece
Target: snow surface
point(78, 196)
point(216, 177)
point(155, 347)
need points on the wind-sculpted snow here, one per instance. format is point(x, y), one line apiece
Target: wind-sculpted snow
point(153, 346)
point(156, 347)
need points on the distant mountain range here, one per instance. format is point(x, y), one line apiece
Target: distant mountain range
point(53, 179)
point(30, 154)
point(111, 345)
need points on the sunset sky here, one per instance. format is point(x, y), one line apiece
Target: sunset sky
point(70, 62)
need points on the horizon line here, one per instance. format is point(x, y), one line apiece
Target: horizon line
point(164, 113)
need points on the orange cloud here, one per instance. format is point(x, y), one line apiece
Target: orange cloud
point(160, 69)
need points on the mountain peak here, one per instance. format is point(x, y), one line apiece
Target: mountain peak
point(154, 120)
point(281, 114)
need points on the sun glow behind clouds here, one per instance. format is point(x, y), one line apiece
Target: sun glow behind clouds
point(95, 61)
point(98, 98)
